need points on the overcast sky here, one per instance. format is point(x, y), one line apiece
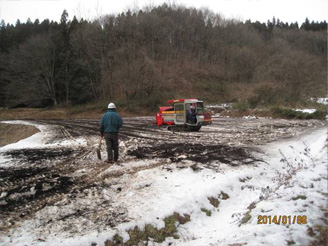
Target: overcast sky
point(262, 10)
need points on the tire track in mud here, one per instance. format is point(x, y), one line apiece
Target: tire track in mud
point(34, 187)
point(37, 184)
point(197, 153)
point(28, 188)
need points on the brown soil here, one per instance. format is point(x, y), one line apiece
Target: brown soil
point(60, 176)
point(60, 113)
point(10, 133)
point(32, 113)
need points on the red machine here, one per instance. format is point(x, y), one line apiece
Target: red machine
point(187, 114)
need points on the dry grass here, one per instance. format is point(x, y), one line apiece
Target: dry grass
point(246, 218)
point(206, 211)
point(79, 112)
point(32, 113)
point(224, 196)
point(141, 237)
point(321, 237)
point(214, 201)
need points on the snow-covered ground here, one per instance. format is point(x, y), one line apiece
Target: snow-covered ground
point(293, 168)
point(290, 169)
point(322, 100)
point(308, 110)
point(289, 179)
point(43, 139)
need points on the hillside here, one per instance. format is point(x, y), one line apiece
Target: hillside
point(141, 59)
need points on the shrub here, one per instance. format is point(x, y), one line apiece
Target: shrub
point(206, 211)
point(302, 197)
point(246, 218)
point(214, 201)
point(136, 235)
point(293, 114)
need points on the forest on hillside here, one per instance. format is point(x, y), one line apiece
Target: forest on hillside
point(146, 57)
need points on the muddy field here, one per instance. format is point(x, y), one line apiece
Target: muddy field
point(10, 133)
point(34, 179)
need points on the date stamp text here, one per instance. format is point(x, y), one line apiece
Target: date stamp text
point(282, 219)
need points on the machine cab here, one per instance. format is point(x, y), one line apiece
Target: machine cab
point(186, 113)
point(190, 112)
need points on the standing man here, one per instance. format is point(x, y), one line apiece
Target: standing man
point(110, 125)
point(191, 115)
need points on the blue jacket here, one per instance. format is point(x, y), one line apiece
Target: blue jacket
point(110, 122)
point(191, 114)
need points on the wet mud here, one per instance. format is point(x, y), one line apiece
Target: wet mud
point(196, 153)
point(40, 189)
point(61, 175)
point(33, 156)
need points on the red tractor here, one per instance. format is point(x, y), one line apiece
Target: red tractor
point(185, 114)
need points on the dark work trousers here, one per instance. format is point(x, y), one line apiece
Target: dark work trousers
point(112, 145)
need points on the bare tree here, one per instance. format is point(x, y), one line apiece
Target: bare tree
point(32, 72)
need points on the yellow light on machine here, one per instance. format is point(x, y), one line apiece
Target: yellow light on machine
point(173, 112)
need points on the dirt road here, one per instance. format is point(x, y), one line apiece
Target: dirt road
point(33, 179)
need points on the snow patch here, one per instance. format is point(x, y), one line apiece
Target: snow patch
point(308, 111)
point(321, 100)
point(44, 139)
point(290, 169)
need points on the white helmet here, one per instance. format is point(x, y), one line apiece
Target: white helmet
point(111, 106)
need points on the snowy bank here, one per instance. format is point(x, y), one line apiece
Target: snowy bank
point(49, 136)
point(290, 181)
